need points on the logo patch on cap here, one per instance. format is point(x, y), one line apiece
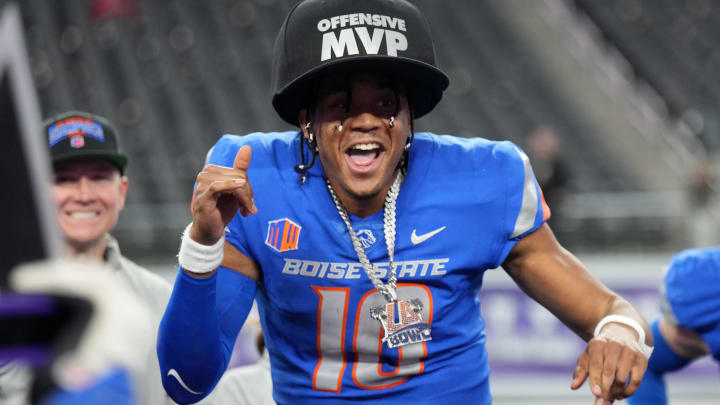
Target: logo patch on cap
point(76, 129)
point(77, 141)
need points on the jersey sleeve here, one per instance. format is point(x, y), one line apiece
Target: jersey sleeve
point(525, 206)
point(692, 287)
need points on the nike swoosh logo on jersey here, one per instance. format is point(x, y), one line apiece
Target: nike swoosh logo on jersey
point(174, 373)
point(416, 240)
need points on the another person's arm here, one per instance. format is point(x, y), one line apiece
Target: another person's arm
point(675, 347)
point(689, 295)
point(556, 279)
point(214, 289)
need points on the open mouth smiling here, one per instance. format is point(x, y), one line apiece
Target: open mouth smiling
point(80, 215)
point(364, 157)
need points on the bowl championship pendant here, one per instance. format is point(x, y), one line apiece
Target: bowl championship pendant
point(410, 327)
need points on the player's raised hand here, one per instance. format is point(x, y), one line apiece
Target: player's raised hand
point(614, 362)
point(219, 193)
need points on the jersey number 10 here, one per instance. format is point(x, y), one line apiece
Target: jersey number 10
point(367, 371)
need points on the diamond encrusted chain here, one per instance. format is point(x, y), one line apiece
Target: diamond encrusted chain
point(388, 290)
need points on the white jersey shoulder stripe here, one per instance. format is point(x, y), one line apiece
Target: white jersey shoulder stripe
point(529, 207)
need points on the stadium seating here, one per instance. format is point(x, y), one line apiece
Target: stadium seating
point(175, 75)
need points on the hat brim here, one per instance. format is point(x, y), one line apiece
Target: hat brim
point(118, 160)
point(425, 83)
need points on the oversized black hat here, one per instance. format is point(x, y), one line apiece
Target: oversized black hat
point(78, 134)
point(321, 37)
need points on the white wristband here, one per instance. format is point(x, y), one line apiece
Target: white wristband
point(199, 258)
point(625, 320)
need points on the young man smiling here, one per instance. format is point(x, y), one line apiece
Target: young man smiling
point(393, 316)
point(89, 191)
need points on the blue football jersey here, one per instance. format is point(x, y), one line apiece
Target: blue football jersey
point(461, 209)
point(692, 293)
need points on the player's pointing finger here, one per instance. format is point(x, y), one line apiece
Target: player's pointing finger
point(242, 159)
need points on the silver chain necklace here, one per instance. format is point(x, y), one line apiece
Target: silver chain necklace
point(409, 327)
point(389, 290)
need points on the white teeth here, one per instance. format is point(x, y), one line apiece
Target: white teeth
point(366, 146)
point(83, 215)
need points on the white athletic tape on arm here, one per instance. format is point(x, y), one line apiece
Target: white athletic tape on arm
point(625, 320)
point(197, 257)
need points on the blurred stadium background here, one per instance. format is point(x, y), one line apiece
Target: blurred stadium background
point(617, 102)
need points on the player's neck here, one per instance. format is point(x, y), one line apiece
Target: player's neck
point(365, 208)
point(362, 206)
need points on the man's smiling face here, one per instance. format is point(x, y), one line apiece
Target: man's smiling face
point(89, 195)
point(359, 148)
